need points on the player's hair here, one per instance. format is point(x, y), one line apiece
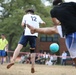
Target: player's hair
point(30, 10)
point(56, 2)
point(3, 34)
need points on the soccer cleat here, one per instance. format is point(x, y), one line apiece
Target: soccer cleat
point(32, 70)
point(9, 65)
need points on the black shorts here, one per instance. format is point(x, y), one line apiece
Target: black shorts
point(28, 39)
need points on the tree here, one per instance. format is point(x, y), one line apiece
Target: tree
point(11, 23)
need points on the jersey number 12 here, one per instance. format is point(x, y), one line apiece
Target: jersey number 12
point(33, 18)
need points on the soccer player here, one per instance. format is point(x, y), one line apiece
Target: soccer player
point(34, 20)
point(64, 14)
point(3, 45)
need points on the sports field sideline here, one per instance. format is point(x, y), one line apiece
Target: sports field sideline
point(24, 69)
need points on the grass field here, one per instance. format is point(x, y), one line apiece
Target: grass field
point(24, 69)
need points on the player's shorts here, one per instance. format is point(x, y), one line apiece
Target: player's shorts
point(71, 44)
point(28, 39)
point(2, 53)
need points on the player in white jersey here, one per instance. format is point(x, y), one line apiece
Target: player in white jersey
point(35, 21)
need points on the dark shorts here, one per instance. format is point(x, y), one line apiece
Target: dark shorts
point(28, 39)
point(2, 53)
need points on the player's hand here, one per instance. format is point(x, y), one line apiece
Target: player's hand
point(32, 29)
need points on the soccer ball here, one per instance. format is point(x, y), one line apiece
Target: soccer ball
point(54, 47)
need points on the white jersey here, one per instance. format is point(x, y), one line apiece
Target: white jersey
point(33, 20)
point(64, 55)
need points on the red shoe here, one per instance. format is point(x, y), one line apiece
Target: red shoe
point(9, 65)
point(32, 70)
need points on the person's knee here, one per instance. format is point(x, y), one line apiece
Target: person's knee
point(19, 47)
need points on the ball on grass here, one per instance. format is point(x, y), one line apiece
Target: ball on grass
point(54, 47)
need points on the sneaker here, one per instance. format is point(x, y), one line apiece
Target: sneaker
point(9, 65)
point(32, 70)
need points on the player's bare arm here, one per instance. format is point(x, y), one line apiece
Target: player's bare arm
point(56, 21)
point(23, 25)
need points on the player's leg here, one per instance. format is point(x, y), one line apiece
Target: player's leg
point(32, 60)
point(3, 55)
point(32, 42)
point(0, 55)
point(17, 51)
point(65, 62)
point(1, 59)
point(47, 30)
point(6, 56)
point(71, 45)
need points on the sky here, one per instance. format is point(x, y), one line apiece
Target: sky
point(70, 0)
point(47, 3)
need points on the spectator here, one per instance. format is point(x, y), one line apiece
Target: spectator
point(45, 57)
point(22, 60)
point(28, 61)
point(49, 62)
point(40, 59)
point(63, 58)
point(54, 59)
point(3, 45)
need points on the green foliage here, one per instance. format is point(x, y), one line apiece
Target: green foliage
point(11, 23)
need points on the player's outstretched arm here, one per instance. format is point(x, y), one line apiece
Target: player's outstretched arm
point(49, 30)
